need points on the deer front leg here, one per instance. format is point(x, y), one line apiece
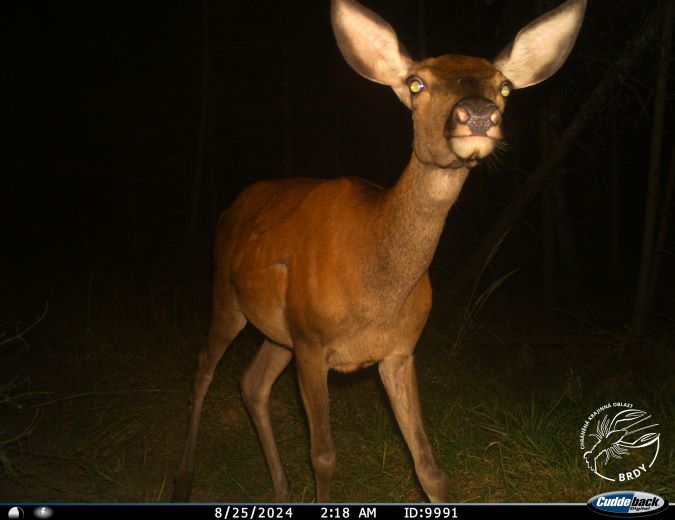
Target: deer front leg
point(313, 379)
point(398, 375)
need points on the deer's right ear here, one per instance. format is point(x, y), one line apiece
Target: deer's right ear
point(370, 46)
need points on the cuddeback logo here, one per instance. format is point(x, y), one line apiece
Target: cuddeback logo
point(619, 442)
point(625, 503)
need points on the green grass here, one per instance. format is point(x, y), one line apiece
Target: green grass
point(119, 369)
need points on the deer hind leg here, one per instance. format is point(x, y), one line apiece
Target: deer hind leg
point(256, 386)
point(398, 375)
point(226, 323)
point(313, 379)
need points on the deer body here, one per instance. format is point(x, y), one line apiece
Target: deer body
point(345, 295)
point(334, 272)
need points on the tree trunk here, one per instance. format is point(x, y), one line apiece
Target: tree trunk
point(614, 196)
point(422, 28)
point(567, 243)
point(202, 136)
point(642, 301)
point(660, 247)
point(549, 264)
point(337, 138)
point(288, 115)
point(559, 254)
point(614, 177)
point(596, 101)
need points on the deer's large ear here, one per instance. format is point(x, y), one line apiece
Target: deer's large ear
point(370, 46)
point(541, 48)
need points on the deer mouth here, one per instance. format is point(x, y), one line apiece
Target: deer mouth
point(472, 148)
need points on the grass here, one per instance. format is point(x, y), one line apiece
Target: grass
point(118, 368)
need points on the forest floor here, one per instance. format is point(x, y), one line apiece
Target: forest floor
point(93, 407)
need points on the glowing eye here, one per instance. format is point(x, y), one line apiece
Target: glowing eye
point(416, 85)
point(505, 89)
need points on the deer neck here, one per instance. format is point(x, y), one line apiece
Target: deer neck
point(410, 223)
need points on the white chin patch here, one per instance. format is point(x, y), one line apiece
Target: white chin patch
point(472, 147)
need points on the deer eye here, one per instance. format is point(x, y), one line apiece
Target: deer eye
point(415, 85)
point(505, 89)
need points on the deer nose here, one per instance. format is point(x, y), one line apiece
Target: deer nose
point(478, 114)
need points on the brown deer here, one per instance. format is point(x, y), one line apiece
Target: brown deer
point(334, 271)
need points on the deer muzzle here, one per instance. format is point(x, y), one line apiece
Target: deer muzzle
point(473, 127)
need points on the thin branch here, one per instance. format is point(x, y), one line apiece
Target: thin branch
point(101, 394)
point(20, 333)
point(27, 432)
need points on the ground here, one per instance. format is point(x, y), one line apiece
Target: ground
point(94, 404)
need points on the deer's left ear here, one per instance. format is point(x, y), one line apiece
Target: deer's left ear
point(542, 47)
point(370, 46)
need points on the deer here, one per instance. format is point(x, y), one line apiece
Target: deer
point(334, 272)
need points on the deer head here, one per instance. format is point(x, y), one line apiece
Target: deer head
point(457, 101)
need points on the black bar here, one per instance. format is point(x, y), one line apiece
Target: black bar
point(276, 511)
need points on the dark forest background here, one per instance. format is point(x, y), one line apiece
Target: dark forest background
point(129, 127)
